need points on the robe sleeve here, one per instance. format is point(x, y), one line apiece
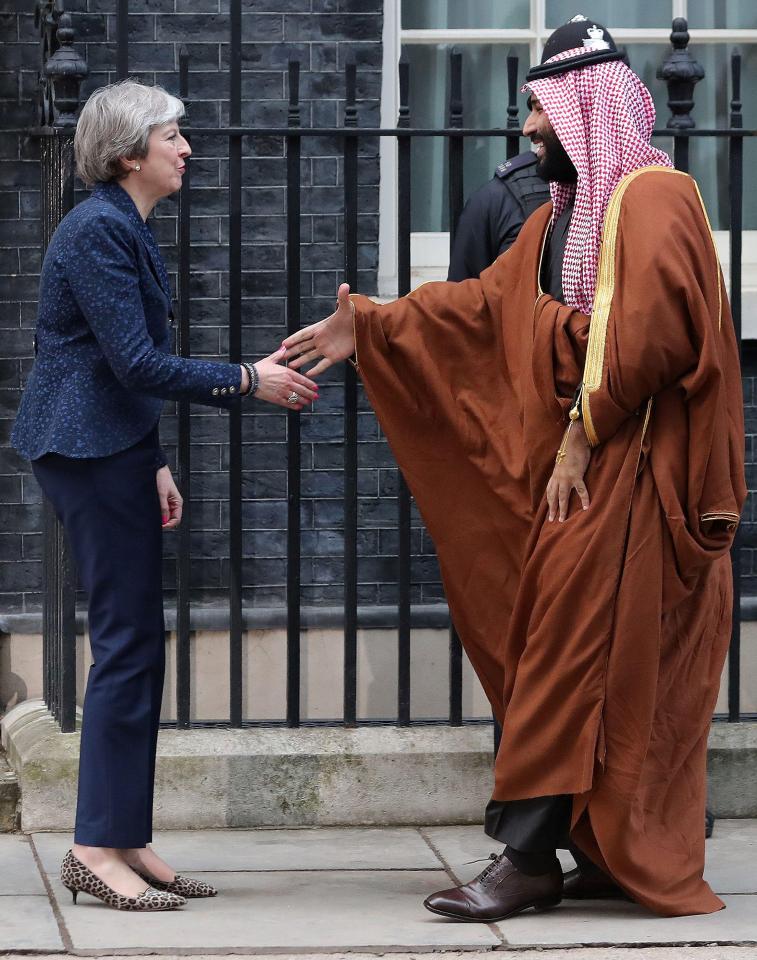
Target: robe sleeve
point(421, 352)
point(658, 304)
point(445, 307)
point(443, 387)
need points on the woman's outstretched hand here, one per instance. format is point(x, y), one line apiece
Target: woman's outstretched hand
point(327, 341)
point(278, 383)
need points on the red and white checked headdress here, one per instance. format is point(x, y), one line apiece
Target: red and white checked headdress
point(603, 116)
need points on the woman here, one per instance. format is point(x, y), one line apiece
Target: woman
point(88, 422)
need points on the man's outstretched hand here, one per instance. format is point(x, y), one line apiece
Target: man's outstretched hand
point(327, 341)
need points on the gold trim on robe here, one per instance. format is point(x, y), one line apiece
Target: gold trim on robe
point(595, 351)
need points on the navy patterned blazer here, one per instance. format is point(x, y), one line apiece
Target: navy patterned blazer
point(102, 364)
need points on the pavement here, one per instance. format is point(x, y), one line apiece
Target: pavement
point(337, 891)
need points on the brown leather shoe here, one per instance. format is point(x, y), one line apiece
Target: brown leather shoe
point(497, 893)
point(578, 885)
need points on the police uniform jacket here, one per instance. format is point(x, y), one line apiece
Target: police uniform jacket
point(494, 214)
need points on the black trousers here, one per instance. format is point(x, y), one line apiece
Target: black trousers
point(110, 510)
point(535, 825)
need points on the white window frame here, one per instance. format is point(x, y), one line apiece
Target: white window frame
point(429, 252)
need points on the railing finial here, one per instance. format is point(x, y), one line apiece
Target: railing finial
point(681, 73)
point(736, 118)
point(293, 114)
point(350, 103)
point(512, 103)
point(61, 70)
point(456, 88)
point(403, 118)
point(512, 90)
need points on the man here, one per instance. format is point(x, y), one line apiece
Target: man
point(596, 357)
point(494, 214)
point(488, 226)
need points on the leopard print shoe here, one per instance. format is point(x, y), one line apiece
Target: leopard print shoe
point(183, 886)
point(80, 879)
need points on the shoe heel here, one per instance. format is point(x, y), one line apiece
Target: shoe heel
point(74, 893)
point(546, 905)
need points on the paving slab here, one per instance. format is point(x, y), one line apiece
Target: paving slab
point(351, 889)
point(324, 848)
point(296, 910)
point(731, 853)
point(19, 874)
point(600, 922)
point(28, 923)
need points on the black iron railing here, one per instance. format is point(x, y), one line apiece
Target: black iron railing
point(680, 72)
point(62, 71)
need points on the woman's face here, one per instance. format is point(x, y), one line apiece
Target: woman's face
point(162, 168)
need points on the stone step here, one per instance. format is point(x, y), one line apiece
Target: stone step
point(10, 796)
point(269, 776)
point(316, 776)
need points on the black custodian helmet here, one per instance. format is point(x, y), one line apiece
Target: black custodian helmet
point(578, 32)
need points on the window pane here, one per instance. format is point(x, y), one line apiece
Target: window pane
point(722, 13)
point(484, 105)
point(615, 13)
point(473, 14)
point(709, 161)
point(708, 157)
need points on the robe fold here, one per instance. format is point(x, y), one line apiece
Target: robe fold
point(599, 641)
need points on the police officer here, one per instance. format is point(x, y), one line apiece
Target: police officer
point(494, 214)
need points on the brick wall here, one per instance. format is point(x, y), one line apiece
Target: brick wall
point(20, 540)
point(322, 34)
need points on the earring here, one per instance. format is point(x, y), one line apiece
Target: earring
point(137, 167)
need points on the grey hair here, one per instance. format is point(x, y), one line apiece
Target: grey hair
point(116, 122)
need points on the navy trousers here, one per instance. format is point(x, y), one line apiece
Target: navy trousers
point(110, 510)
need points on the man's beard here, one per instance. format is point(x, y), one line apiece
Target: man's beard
point(554, 163)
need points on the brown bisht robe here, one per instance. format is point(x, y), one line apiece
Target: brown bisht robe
point(599, 641)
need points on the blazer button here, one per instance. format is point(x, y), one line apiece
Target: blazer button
point(216, 391)
point(224, 390)
point(232, 389)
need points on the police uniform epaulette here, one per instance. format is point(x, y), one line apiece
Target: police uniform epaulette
point(507, 167)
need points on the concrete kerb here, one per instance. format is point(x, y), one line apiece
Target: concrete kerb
point(642, 952)
point(257, 777)
point(254, 777)
point(732, 769)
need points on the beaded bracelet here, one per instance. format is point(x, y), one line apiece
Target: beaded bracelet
point(252, 372)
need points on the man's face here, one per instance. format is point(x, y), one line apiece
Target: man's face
point(552, 162)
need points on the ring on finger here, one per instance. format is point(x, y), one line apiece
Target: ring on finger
point(293, 398)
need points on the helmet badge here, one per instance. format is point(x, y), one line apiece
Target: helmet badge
point(596, 40)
